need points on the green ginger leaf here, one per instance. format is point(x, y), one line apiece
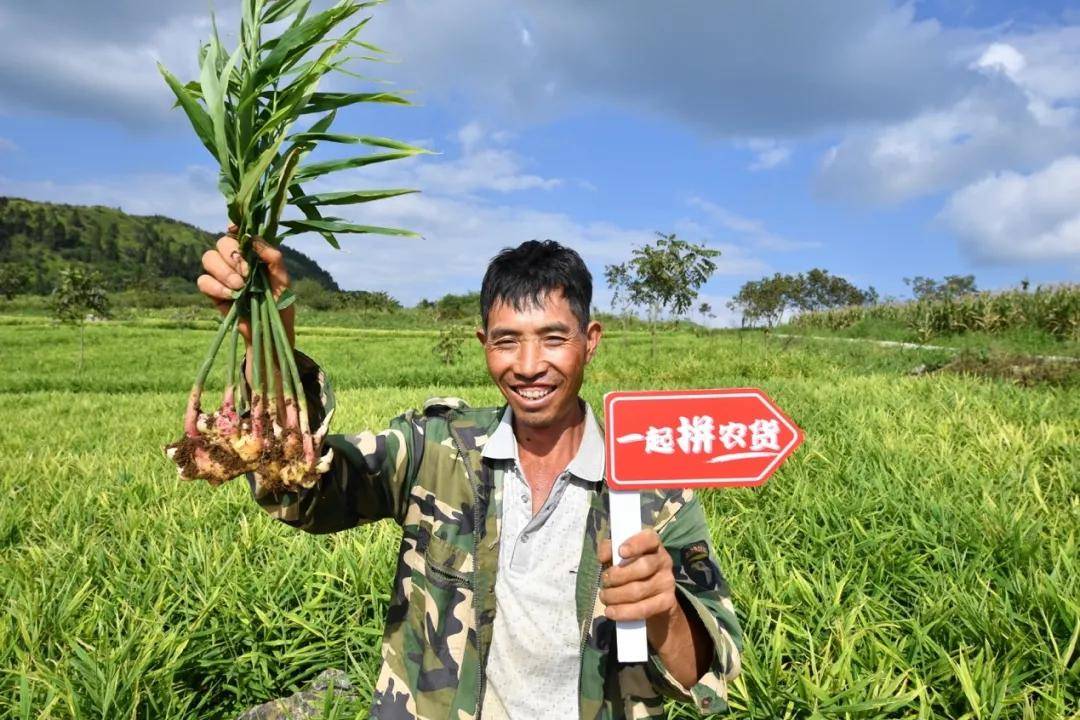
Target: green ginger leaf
point(200, 121)
point(337, 225)
point(350, 197)
point(314, 170)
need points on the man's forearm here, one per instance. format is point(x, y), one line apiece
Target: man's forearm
point(682, 643)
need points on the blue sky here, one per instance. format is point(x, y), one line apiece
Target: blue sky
point(876, 139)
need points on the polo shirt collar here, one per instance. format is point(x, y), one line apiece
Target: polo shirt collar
point(587, 465)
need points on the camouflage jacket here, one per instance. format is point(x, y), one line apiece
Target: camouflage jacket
point(426, 472)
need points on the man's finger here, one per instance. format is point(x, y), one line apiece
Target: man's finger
point(267, 252)
point(639, 568)
point(213, 289)
point(229, 249)
point(603, 553)
point(275, 264)
point(641, 610)
point(629, 593)
point(646, 541)
point(217, 267)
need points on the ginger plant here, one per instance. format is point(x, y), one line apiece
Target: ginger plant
point(244, 107)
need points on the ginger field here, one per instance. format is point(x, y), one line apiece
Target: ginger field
point(918, 557)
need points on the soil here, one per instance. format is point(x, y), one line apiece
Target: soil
point(280, 456)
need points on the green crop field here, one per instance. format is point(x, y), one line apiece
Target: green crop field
point(917, 557)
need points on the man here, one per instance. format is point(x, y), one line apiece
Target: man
point(505, 595)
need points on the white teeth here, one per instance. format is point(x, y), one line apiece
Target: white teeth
point(533, 394)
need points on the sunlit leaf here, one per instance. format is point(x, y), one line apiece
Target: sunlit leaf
point(350, 197)
point(314, 170)
point(315, 136)
point(337, 225)
point(200, 121)
point(333, 100)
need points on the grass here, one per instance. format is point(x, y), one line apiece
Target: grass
point(916, 558)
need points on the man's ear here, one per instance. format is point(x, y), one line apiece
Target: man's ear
point(592, 339)
point(481, 336)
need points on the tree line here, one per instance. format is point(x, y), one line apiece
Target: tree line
point(38, 240)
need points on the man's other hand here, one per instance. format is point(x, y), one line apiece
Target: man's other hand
point(642, 587)
point(642, 584)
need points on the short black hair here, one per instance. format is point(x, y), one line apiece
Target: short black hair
point(523, 275)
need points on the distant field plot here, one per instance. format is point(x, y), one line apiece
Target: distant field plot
point(916, 558)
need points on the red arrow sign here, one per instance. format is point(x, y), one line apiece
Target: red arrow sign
point(732, 437)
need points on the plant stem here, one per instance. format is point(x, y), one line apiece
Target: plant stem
point(230, 368)
point(290, 363)
point(256, 351)
point(287, 387)
point(268, 358)
point(200, 380)
point(245, 399)
point(305, 423)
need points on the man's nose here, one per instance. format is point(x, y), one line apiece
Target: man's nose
point(530, 360)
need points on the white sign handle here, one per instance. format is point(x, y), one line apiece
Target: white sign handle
point(626, 521)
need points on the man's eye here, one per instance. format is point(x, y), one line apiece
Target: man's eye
point(554, 340)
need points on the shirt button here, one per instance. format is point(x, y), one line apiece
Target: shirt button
point(524, 497)
point(524, 538)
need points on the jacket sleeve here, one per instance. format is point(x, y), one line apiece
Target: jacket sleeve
point(370, 476)
point(702, 591)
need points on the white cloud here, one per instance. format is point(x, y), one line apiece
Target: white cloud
point(1008, 217)
point(748, 229)
point(480, 167)
point(768, 153)
point(1018, 114)
point(84, 72)
point(731, 69)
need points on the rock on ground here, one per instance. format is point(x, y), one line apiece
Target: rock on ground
point(306, 704)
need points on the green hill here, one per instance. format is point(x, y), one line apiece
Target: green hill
point(37, 238)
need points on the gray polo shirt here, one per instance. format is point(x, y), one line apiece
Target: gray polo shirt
point(533, 667)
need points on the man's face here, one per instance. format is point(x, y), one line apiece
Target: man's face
point(537, 357)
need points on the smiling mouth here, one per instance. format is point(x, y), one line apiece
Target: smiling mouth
point(534, 393)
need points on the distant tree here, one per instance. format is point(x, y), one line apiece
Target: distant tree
point(665, 275)
point(14, 279)
point(953, 286)
point(378, 300)
point(705, 309)
point(766, 300)
point(310, 293)
point(79, 293)
point(458, 307)
point(769, 299)
point(818, 290)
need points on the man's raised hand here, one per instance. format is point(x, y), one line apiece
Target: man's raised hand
point(225, 271)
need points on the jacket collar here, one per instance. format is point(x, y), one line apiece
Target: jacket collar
point(588, 463)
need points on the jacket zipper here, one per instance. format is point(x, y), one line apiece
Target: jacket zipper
point(586, 630)
point(451, 573)
point(476, 565)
